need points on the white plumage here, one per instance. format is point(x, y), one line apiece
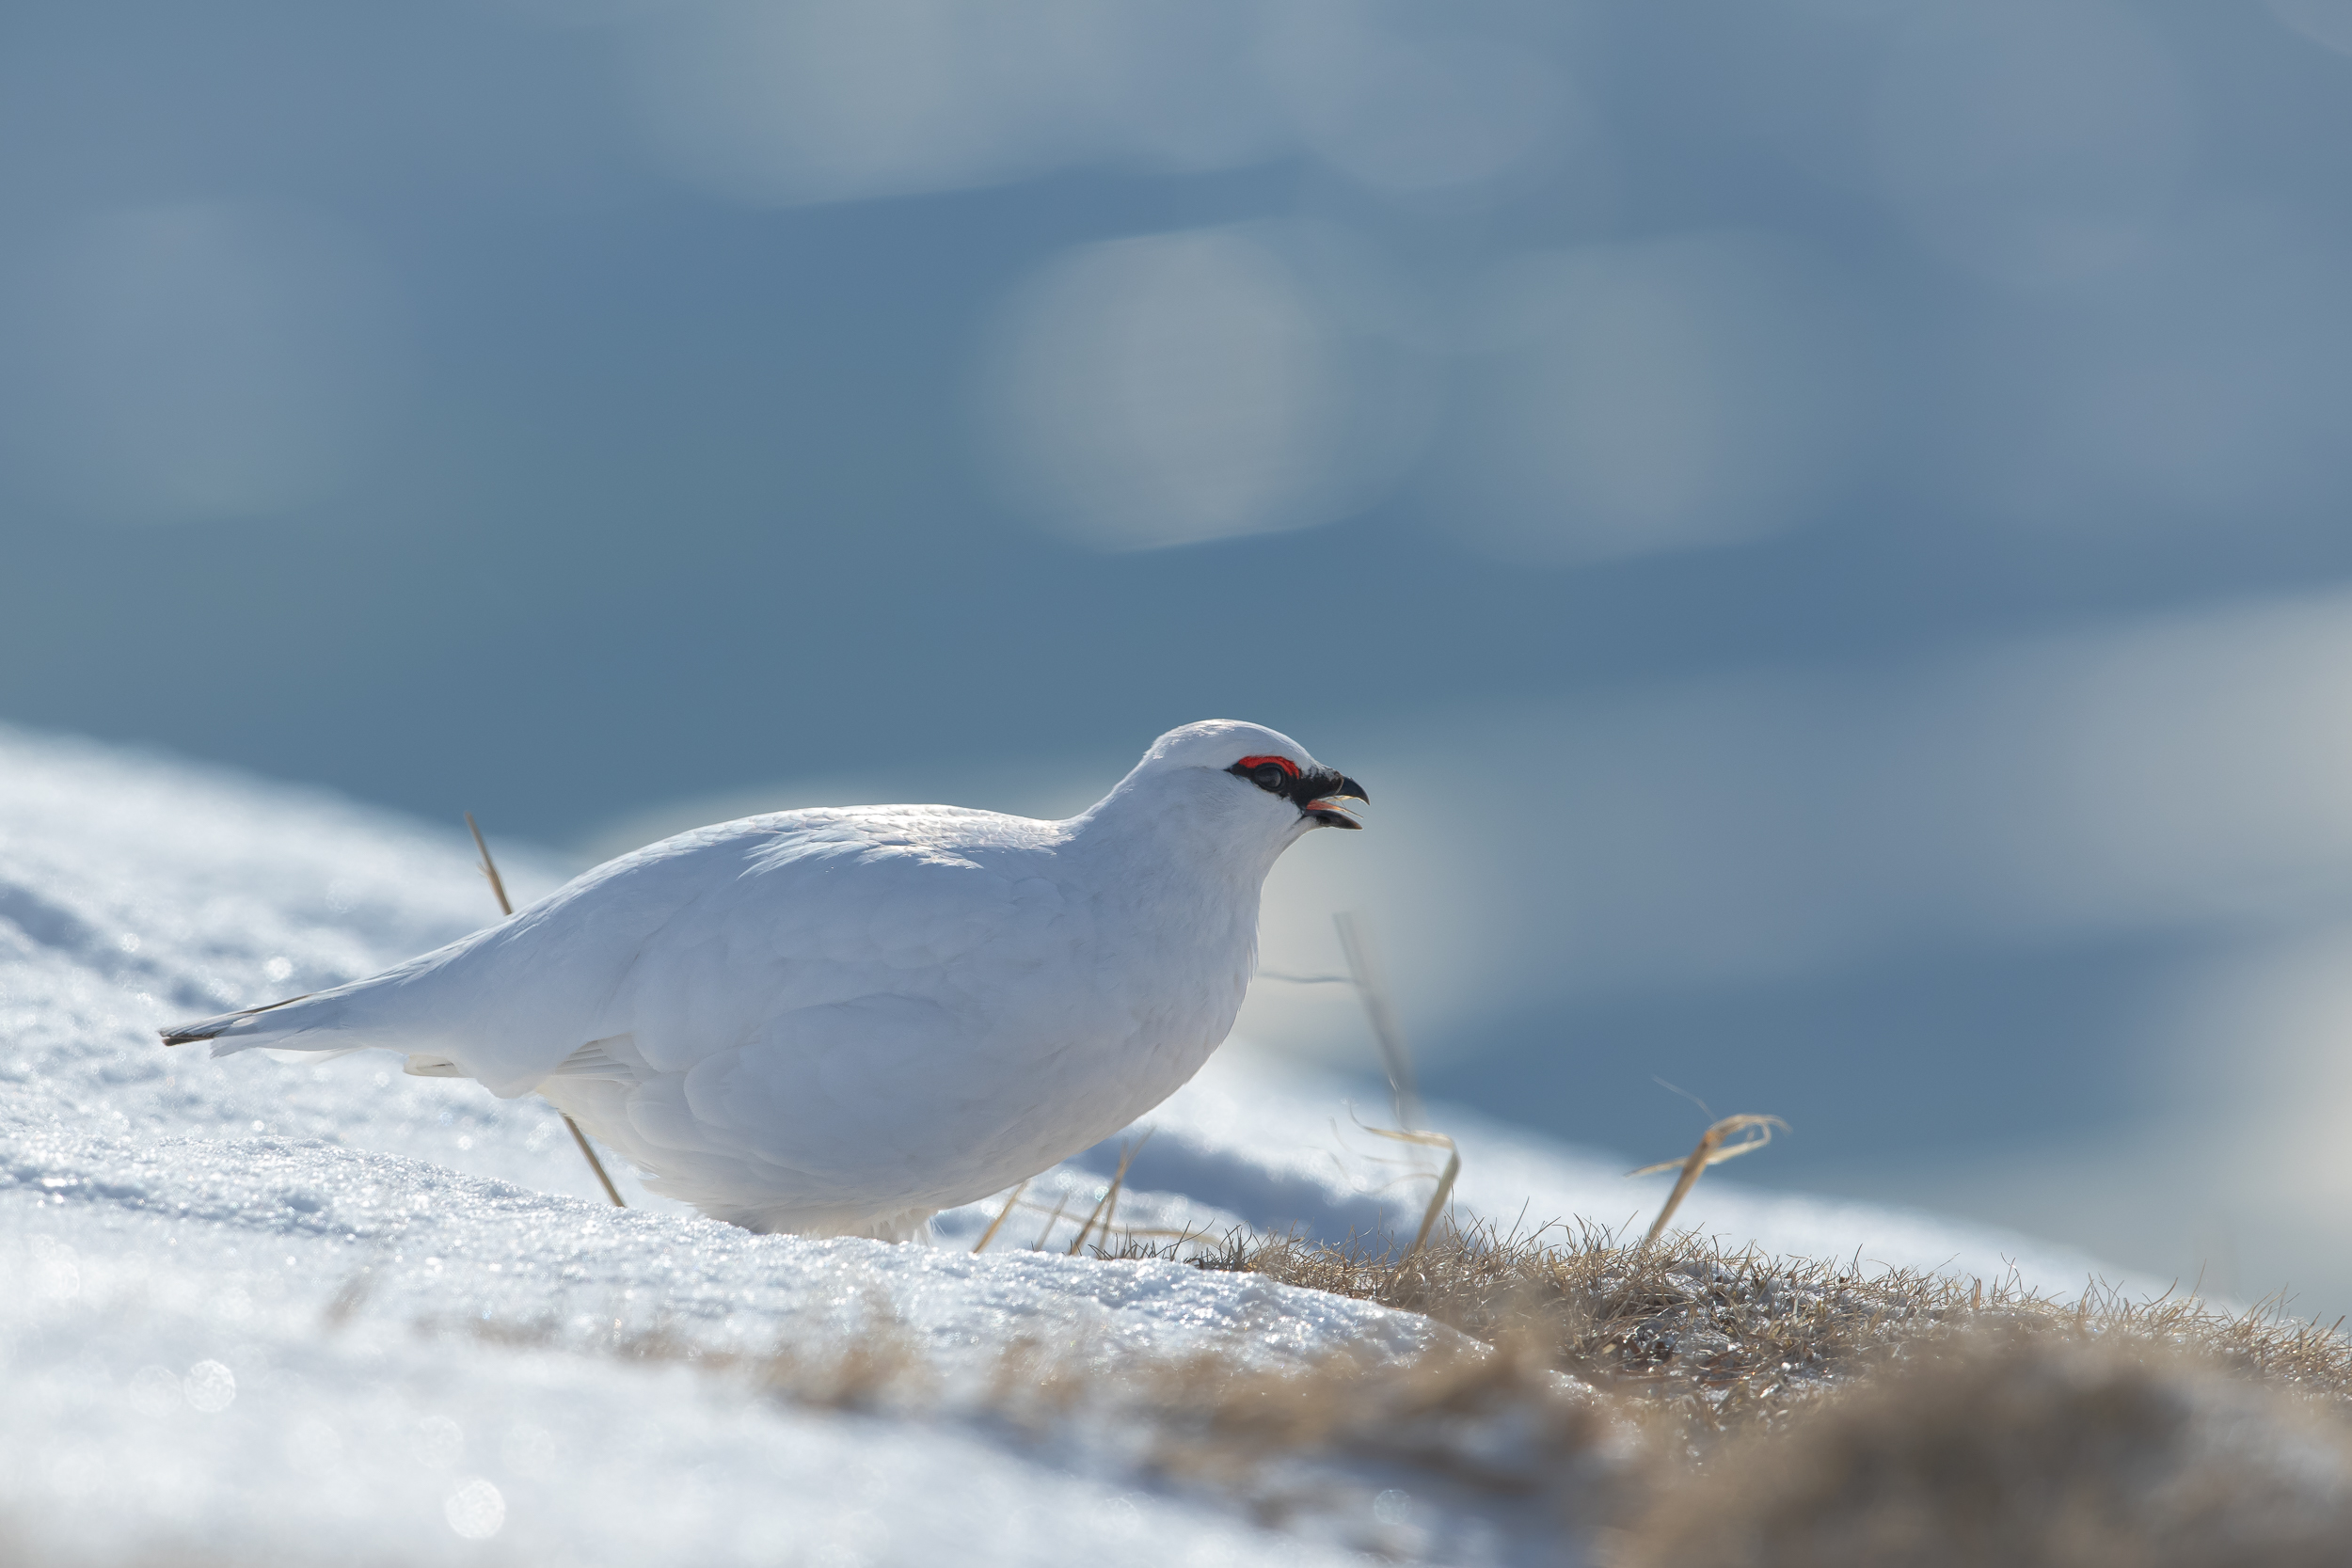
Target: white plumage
point(839, 1021)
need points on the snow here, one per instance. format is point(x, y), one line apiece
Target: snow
point(258, 1307)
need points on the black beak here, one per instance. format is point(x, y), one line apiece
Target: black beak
point(1318, 789)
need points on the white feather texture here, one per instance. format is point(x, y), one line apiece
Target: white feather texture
point(838, 1021)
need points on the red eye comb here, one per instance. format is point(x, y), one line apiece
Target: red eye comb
point(1283, 763)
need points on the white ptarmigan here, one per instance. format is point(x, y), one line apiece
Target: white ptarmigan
point(839, 1021)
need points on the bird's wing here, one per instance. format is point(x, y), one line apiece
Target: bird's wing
point(695, 945)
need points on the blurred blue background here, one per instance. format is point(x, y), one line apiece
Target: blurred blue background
point(1822, 522)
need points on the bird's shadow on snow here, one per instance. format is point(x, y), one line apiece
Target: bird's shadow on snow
point(1254, 1191)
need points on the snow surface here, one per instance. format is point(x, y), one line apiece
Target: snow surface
point(246, 1299)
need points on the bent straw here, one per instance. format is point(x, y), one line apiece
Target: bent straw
point(1711, 1150)
point(489, 868)
point(1445, 1181)
point(497, 887)
point(1110, 1198)
point(1388, 1029)
point(1002, 1215)
point(1051, 1220)
point(1396, 1056)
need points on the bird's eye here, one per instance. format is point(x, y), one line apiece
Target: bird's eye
point(1271, 774)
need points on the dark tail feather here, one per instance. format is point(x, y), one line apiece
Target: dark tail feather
point(210, 1028)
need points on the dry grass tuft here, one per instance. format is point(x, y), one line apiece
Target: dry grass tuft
point(1722, 1343)
point(1502, 1423)
point(2027, 1450)
point(1473, 1432)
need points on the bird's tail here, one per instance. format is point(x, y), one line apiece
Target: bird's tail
point(282, 1024)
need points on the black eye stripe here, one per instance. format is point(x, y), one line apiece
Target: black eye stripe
point(1274, 779)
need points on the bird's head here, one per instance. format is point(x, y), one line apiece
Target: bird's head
point(1244, 779)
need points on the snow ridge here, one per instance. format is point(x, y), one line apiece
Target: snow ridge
point(278, 1311)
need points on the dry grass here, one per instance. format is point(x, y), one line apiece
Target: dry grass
point(1674, 1405)
point(1495, 1426)
point(1746, 1411)
point(2024, 1449)
point(2016, 1433)
point(1722, 1343)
